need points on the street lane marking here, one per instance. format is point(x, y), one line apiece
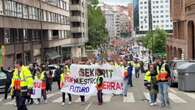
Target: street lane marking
point(129, 99)
point(10, 103)
point(59, 100)
point(88, 106)
point(192, 95)
point(53, 94)
point(107, 98)
point(176, 99)
point(1, 99)
point(147, 96)
point(173, 90)
point(79, 99)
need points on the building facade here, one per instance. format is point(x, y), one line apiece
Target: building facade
point(117, 20)
point(136, 16)
point(79, 26)
point(35, 30)
point(160, 15)
point(182, 43)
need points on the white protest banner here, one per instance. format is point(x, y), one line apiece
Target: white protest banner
point(36, 89)
point(82, 80)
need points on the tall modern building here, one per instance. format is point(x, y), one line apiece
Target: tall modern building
point(136, 15)
point(37, 31)
point(160, 15)
point(79, 26)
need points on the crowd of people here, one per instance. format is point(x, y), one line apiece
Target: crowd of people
point(21, 78)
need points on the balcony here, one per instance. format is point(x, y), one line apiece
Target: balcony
point(189, 3)
point(76, 7)
point(77, 19)
point(76, 29)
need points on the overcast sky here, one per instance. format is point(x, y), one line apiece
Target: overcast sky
point(116, 2)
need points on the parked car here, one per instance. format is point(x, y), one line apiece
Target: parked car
point(3, 79)
point(174, 64)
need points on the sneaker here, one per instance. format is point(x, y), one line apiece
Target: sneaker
point(155, 103)
point(69, 102)
point(63, 103)
point(36, 102)
point(45, 101)
point(152, 104)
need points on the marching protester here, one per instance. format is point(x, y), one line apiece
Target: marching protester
point(22, 83)
point(57, 76)
point(9, 74)
point(137, 68)
point(150, 82)
point(41, 75)
point(99, 85)
point(130, 70)
point(49, 81)
point(63, 75)
point(163, 82)
point(125, 81)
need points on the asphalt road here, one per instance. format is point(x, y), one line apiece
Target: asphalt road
point(136, 100)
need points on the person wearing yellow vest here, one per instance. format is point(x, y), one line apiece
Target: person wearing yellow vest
point(65, 73)
point(22, 84)
point(163, 82)
point(136, 65)
point(150, 82)
point(41, 75)
point(125, 81)
point(99, 86)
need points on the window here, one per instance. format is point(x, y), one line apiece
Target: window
point(161, 6)
point(161, 11)
point(7, 37)
point(25, 11)
point(55, 34)
point(161, 16)
point(19, 10)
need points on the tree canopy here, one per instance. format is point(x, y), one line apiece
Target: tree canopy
point(96, 25)
point(155, 41)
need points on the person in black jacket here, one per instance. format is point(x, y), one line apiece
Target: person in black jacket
point(9, 74)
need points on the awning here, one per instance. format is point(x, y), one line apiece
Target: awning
point(52, 55)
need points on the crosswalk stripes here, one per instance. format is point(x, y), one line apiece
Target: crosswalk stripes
point(56, 98)
point(129, 99)
point(53, 94)
point(59, 100)
point(176, 99)
point(10, 102)
point(1, 99)
point(147, 96)
point(79, 100)
point(107, 98)
point(192, 95)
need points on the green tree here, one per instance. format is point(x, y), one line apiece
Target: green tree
point(155, 41)
point(96, 25)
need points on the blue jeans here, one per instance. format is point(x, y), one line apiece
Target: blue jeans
point(163, 91)
point(125, 86)
point(153, 97)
